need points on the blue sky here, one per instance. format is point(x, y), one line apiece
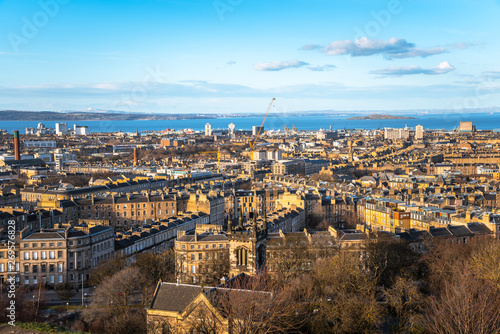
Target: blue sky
point(220, 56)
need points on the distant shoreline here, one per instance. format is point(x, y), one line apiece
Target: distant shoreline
point(47, 116)
point(379, 116)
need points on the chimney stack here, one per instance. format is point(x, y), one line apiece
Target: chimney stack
point(17, 147)
point(135, 156)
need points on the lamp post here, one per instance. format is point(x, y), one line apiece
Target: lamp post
point(82, 289)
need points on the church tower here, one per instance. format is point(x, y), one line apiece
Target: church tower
point(247, 244)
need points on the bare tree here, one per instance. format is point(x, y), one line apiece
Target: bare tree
point(467, 304)
point(107, 269)
point(65, 291)
point(485, 260)
point(343, 297)
point(407, 304)
point(258, 306)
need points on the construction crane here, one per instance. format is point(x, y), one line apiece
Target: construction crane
point(286, 128)
point(252, 145)
point(218, 155)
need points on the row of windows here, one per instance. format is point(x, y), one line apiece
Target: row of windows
point(183, 246)
point(101, 247)
point(43, 268)
point(42, 245)
point(43, 255)
point(206, 256)
point(52, 279)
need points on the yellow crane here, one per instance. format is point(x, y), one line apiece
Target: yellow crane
point(218, 154)
point(252, 145)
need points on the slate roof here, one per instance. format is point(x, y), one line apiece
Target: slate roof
point(175, 297)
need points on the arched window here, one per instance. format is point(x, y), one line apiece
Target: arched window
point(242, 256)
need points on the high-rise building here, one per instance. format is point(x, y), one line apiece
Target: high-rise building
point(231, 128)
point(467, 127)
point(255, 130)
point(208, 129)
point(390, 133)
point(81, 130)
point(61, 128)
point(419, 132)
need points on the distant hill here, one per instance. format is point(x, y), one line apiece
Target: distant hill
point(14, 115)
point(379, 116)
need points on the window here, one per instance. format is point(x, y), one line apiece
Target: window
point(192, 257)
point(117, 207)
point(44, 255)
point(2, 267)
point(51, 268)
point(193, 269)
point(59, 254)
point(51, 244)
point(26, 268)
point(34, 245)
point(71, 277)
point(60, 278)
point(51, 280)
point(71, 266)
point(59, 244)
point(242, 256)
point(35, 280)
point(26, 245)
point(35, 268)
point(35, 255)
point(200, 256)
point(183, 246)
point(26, 255)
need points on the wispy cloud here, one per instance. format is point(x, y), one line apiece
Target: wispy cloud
point(280, 65)
point(231, 62)
point(311, 47)
point(442, 68)
point(322, 68)
point(494, 74)
point(389, 49)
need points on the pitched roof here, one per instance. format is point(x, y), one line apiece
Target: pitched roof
point(175, 297)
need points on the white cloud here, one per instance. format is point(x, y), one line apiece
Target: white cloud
point(322, 68)
point(280, 65)
point(389, 49)
point(442, 68)
point(311, 47)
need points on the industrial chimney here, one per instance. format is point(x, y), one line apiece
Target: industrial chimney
point(135, 156)
point(17, 147)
